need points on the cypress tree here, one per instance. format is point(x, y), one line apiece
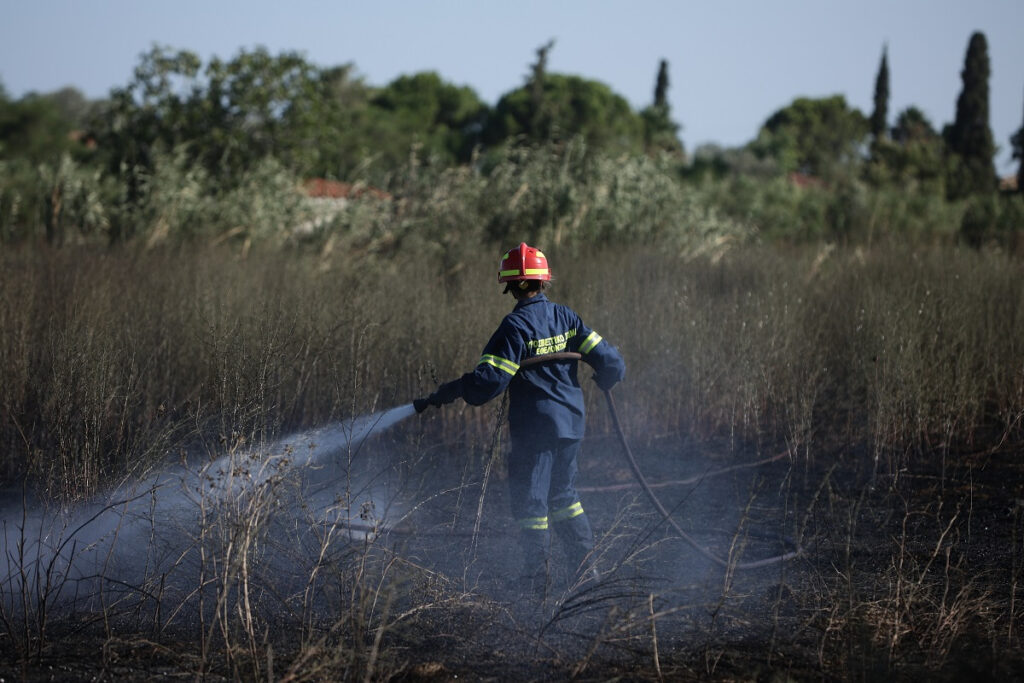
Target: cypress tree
point(540, 125)
point(969, 139)
point(1017, 141)
point(661, 86)
point(881, 112)
point(661, 134)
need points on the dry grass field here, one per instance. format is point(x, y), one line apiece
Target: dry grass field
point(171, 509)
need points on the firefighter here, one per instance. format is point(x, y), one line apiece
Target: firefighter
point(546, 413)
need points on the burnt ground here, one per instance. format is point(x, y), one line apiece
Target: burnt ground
point(908, 569)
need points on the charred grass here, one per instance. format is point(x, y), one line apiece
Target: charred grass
point(893, 383)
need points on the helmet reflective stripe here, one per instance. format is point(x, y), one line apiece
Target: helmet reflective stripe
point(592, 340)
point(535, 523)
point(523, 263)
point(500, 363)
point(574, 510)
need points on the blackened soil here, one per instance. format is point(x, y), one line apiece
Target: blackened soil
point(908, 569)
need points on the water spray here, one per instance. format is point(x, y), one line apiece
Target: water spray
point(314, 446)
point(49, 552)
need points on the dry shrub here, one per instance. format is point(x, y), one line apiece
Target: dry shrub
point(113, 359)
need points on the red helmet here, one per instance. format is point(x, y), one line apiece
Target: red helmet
point(523, 263)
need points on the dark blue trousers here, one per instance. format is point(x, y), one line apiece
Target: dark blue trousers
point(542, 484)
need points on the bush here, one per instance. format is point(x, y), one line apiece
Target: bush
point(62, 201)
point(567, 195)
point(21, 202)
point(979, 220)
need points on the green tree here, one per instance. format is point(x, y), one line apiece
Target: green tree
point(264, 106)
point(333, 126)
point(556, 108)
point(540, 118)
point(820, 137)
point(574, 106)
point(912, 157)
point(969, 138)
point(151, 113)
point(150, 110)
point(881, 111)
point(661, 134)
point(74, 106)
point(1017, 144)
point(422, 109)
point(235, 113)
point(661, 85)
point(41, 128)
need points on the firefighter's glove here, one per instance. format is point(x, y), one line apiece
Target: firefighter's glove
point(446, 393)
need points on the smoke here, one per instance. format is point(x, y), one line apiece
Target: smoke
point(308, 528)
point(168, 525)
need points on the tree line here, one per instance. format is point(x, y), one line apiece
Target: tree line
point(71, 164)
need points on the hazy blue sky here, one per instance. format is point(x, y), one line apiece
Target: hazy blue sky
point(731, 62)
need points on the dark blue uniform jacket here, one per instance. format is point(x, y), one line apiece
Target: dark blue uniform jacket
point(545, 400)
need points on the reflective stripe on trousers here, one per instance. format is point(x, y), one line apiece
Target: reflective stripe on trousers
point(542, 484)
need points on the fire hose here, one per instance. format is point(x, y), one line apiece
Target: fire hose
point(642, 480)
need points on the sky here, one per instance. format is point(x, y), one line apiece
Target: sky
point(732, 63)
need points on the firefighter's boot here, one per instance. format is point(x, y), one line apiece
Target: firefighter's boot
point(578, 539)
point(534, 576)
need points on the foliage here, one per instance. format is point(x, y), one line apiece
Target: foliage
point(993, 221)
point(572, 106)
point(237, 113)
point(192, 153)
point(175, 203)
point(74, 106)
point(1010, 224)
point(1017, 144)
point(661, 133)
point(58, 201)
point(911, 158)
point(567, 196)
point(539, 121)
point(442, 119)
point(712, 162)
point(818, 137)
point(979, 220)
point(881, 99)
point(314, 121)
point(261, 106)
point(576, 196)
point(150, 112)
point(969, 138)
point(40, 128)
point(74, 197)
point(20, 201)
point(661, 85)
